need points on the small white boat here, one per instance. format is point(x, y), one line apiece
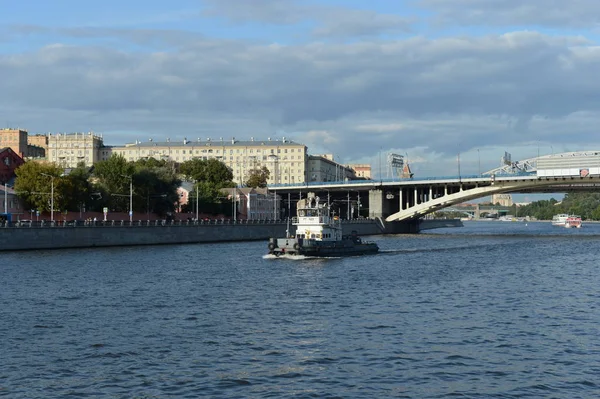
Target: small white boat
point(560, 219)
point(573, 221)
point(566, 220)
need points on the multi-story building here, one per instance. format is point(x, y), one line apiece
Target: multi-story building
point(15, 139)
point(285, 159)
point(362, 171)
point(68, 150)
point(9, 161)
point(502, 199)
point(37, 146)
point(23, 144)
point(324, 168)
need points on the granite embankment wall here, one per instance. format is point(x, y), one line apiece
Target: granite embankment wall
point(30, 238)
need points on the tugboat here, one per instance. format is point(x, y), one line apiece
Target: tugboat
point(319, 234)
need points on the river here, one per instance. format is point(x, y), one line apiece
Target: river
point(489, 310)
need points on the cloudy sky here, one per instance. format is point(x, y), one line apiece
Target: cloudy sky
point(430, 79)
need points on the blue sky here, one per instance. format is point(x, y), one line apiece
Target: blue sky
point(427, 78)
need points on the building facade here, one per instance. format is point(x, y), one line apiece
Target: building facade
point(15, 139)
point(502, 199)
point(9, 161)
point(323, 168)
point(285, 159)
point(10, 202)
point(362, 171)
point(68, 150)
point(37, 146)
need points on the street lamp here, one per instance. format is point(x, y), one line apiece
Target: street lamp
point(5, 200)
point(130, 177)
point(51, 195)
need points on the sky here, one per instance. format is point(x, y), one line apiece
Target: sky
point(449, 84)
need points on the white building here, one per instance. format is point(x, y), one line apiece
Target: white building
point(324, 168)
point(68, 150)
point(284, 158)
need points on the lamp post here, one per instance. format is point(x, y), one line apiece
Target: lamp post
point(51, 195)
point(5, 200)
point(130, 177)
point(197, 200)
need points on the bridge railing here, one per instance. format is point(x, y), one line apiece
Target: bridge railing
point(400, 179)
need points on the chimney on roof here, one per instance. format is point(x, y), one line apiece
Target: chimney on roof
point(185, 141)
point(269, 138)
point(168, 139)
point(251, 138)
point(233, 140)
point(283, 139)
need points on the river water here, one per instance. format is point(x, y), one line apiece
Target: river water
point(490, 310)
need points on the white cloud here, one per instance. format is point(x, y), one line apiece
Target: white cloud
point(551, 13)
point(331, 22)
point(432, 98)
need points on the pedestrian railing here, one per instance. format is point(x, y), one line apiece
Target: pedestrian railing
point(22, 224)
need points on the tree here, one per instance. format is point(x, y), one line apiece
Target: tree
point(36, 182)
point(156, 188)
point(112, 179)
point(209, 171)
point(258, 177)
point(77, 192)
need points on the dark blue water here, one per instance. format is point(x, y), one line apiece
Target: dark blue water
point(491, 310)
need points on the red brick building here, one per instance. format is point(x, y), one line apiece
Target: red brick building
point(9, 161)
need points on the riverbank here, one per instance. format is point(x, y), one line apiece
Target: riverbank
point(179, 232)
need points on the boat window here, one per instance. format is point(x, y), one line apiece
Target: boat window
point(312, 236)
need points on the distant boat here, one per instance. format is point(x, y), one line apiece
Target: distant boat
point(560, 219)
point(573, 221)
point(566, 220)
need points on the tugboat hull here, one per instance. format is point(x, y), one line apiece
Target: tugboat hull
point(346, 247)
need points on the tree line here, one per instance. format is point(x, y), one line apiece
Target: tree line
point(107, 184)
point(586, 205)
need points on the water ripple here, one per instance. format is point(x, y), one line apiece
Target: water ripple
point(485, 314)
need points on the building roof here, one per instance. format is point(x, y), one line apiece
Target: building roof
point(211, 143)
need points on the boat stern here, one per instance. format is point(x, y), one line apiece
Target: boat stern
point(282, 246)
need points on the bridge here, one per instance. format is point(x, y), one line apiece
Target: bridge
point(407, 199)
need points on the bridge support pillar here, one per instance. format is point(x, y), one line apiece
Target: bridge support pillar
point(400, 200)
point(378, 206)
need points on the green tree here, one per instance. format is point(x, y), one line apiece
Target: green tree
point(156, 188)
point(36, 182)
point(258, 177)
point(112, 179)
point(209, 171)
point(77, 192)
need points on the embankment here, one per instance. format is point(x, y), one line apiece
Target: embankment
point(31, 238)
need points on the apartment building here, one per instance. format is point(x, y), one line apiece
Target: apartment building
point(68, 150)
point(9, 161)
point(15, 139)
point(362, 171)
point(324, 168)
point(285, 159)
